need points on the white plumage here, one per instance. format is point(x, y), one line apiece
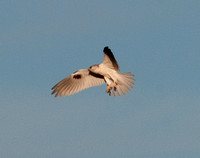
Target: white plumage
point(107, 71)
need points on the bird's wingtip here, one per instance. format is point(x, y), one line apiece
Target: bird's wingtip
point(106, 48)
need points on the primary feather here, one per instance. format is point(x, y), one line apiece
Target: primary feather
point(77, 82)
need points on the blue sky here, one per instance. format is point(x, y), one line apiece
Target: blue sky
point(42, 42)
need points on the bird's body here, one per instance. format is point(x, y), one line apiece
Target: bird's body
point(106, 72)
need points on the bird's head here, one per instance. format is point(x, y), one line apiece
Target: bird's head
point(94, 68)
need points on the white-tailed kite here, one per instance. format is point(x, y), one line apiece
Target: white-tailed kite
point(106, 72)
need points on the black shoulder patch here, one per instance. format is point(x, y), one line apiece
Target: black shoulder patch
point(95, 75)
point(78, 76)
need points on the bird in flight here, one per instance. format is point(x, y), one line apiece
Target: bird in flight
point(106, 72)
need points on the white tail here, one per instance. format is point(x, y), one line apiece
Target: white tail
point(124, 84)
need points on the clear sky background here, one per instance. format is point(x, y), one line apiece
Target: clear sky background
point(44, 41)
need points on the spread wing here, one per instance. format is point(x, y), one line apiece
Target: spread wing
point(77, 82)
point(109, 59)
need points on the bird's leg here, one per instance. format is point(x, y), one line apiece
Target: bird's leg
point(108, 89)
point(115, 85)
point(109, 85)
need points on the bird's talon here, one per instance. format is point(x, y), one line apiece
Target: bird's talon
point(115, 86)
point(108, 89)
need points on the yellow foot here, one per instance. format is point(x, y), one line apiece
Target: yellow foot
point(108, 88)
point(115, 85)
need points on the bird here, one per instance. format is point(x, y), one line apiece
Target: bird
point(107, 72)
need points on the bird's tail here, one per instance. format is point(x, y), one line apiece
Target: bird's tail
point(124, 84)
